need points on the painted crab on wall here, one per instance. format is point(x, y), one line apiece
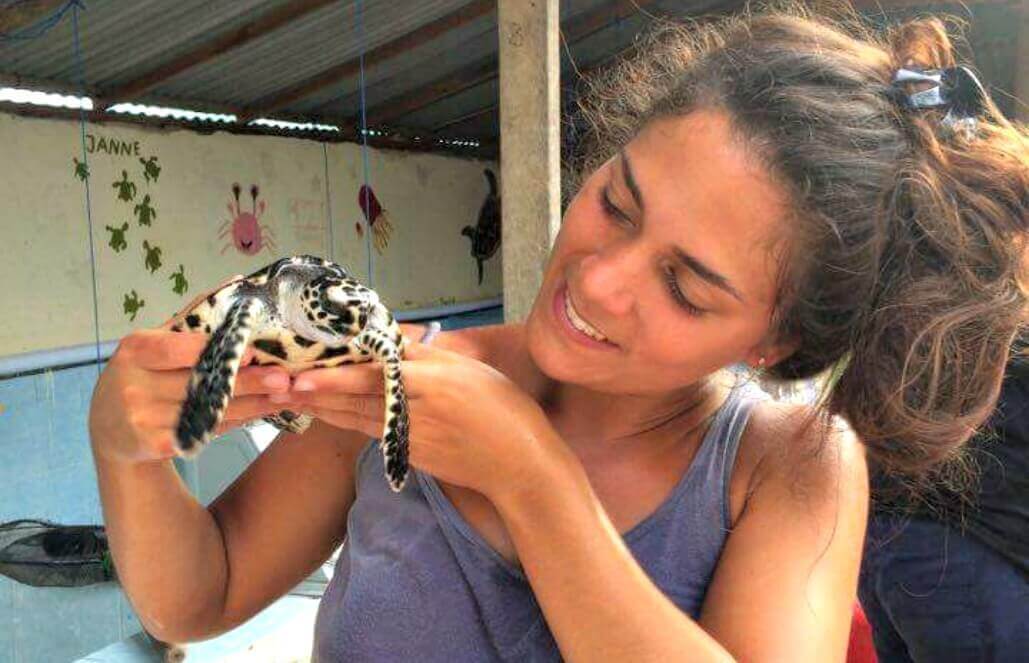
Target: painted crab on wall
point(244, 230)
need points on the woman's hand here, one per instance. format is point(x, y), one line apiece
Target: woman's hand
point(138, 398)
point(469, 424)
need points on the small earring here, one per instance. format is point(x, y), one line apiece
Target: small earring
point(757, 372)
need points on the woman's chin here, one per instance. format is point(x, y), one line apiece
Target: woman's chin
point(543, 349)
point(551, 357)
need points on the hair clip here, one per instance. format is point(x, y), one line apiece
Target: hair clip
point(956, 88)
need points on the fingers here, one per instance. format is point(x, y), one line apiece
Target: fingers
point(162, 350)
point(418, 351)
point(171, 385)
point(369, 407)
point(240, 409)
point(363, 378)
point(157, 425)
point(261, 380)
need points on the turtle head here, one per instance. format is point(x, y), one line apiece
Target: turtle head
point(336, 307)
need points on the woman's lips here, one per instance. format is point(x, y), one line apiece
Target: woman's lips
point(558, 308)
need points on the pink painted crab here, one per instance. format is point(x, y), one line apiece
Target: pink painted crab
point(248, 235)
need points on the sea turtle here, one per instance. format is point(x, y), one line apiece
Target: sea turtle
point(299, 312)
point(485, 235)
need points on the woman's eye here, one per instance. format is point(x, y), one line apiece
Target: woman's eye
point(612, 210)
point(678, 295)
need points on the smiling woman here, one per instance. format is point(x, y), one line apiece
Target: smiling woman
point(594, 484)
point(879, 205)
point(660, 244)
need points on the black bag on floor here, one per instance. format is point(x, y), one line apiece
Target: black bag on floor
point(45, 554)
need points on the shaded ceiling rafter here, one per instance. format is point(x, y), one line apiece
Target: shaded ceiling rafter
point(26, 14)
point(246, 33)
point(466, 77)
point(485, 70)
point(271, 103)
point(467, 117)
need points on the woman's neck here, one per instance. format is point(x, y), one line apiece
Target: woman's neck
point(588, 418)
point(598, 421)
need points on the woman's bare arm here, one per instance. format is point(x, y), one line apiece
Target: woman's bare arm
point(786, 582)
point(193, 572)
point(783, 590)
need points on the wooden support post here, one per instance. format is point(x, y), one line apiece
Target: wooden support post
point(530, 146)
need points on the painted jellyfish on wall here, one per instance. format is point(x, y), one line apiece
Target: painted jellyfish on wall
point(376, 217)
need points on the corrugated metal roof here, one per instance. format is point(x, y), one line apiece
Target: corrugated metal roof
point(308, 46)
point(122, 40)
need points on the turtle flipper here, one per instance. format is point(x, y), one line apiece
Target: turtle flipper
point(210, 386)
point(290, 421)
point(396, 428)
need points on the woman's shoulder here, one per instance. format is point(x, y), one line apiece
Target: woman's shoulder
point(795, 450)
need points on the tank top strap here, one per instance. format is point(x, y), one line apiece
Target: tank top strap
point(716, 457)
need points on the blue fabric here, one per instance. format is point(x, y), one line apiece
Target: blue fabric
point(932, 593)
point(416, 582)
point(995, 510)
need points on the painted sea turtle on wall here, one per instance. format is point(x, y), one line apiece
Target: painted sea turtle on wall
point(485, 235)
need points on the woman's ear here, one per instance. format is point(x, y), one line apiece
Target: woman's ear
point(768, 354)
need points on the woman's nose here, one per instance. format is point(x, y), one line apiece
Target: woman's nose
point(608, 280)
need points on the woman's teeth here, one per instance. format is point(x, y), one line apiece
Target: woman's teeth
point(579, 323)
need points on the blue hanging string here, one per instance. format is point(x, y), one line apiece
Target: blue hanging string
point(359, 9)
point(42, 26)
point(81, 70)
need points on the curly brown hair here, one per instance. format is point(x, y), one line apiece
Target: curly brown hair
point(904, 271)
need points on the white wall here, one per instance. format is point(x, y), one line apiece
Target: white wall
point(45, 264)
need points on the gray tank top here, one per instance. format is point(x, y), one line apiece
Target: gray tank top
point(415, 582)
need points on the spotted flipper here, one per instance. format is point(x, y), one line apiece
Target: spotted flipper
point(211, 384)
point(396, 428)
point(290, 421)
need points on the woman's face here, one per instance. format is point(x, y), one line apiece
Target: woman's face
point(665, 267)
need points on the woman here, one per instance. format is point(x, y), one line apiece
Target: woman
point(591, 485)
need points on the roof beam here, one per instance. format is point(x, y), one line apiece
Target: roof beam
point(464, 78)
point(467, 117)
point(248, 32)
point(585, 24)
point(484, 70)
point(26, 13)
point(379, 54)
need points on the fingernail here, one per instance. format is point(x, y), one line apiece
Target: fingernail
point(279, 398)
point(303, 385)
point(276, 381)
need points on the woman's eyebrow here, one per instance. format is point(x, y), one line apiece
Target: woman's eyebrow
point(707, 274)
point(691, 263)
point(630, 180)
